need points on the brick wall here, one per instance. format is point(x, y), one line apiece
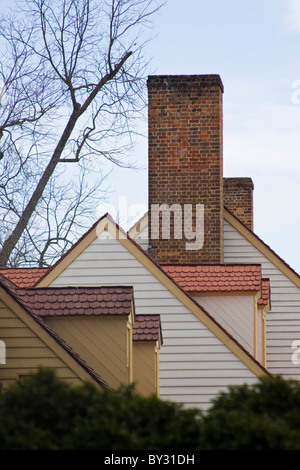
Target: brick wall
point(186, 161)
point(238, 198)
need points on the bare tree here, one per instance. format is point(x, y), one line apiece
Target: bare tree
point(73, 77)
point(63, 213)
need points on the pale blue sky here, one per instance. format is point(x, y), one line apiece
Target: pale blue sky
point(255, 47)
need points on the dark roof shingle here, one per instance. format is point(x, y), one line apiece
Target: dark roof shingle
point(52, 301)
point(146, 328)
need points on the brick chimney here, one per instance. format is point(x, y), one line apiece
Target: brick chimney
point(185, 123)
point(238, 198)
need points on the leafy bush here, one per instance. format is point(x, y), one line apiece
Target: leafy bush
point(264, 416)
point(45, 413)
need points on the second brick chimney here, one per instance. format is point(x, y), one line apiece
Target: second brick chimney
point(238, 198)
point(185, 116)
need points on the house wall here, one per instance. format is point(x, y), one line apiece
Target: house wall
point(100, 341)
point(235, 314)
point(283, 321)
point(25, 351)
point(145, 373)
point(194, 364)
point(230, 310)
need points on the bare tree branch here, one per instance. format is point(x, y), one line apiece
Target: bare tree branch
point(74, 80)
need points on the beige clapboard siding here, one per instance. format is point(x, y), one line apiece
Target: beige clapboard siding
point(283, 321)
point(25, 352)
point(106, 262)
point(101, 342)
point(144, 367)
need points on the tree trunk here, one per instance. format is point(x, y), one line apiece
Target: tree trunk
point(16, 234)
point(12, 240)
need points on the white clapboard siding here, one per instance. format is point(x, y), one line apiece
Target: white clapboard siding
point(235, 314)
point(283, 321)
point(187, 344)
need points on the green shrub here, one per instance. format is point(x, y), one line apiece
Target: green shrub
point(45, 413)
point(264, 416)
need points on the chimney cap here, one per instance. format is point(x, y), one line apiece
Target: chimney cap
point(198, 80)
point(239, 181)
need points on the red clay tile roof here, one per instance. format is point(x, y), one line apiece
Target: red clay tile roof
point(52, 301)
point(265, 293)
point(23, 277)
point(146, 328)
point(216, 278)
